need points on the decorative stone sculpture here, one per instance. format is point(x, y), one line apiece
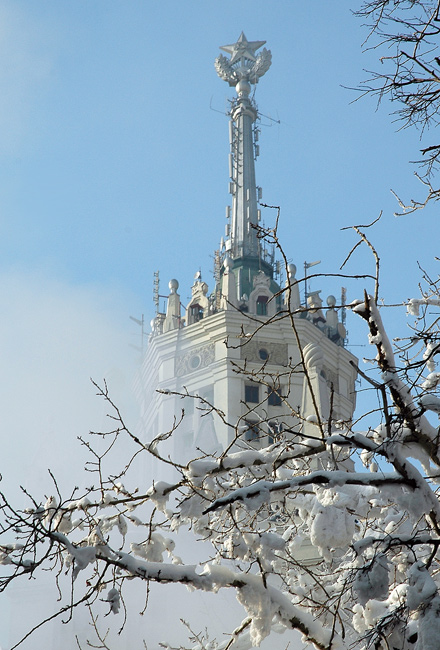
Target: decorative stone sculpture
point(172, 318)
point(291, 296)
point(243, 64)
point(314, 304)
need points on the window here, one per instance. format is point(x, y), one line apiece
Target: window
point(275, 429)
point(188, 406)
point(251, 394)
point(262, 305)
point(196, 313)
point(274, 398)
point(208, 394)
point(263, 354)
point(252, 432)
point(194, 362)
point(187, 440)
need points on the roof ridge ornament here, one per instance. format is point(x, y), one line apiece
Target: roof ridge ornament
point(244, 64)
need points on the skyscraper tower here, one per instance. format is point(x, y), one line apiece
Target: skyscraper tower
point(267, 362)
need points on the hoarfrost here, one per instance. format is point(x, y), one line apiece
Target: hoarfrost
point(331, 528)
point(422, 587)
point(159, 494)
point(429, 627)
point(113, 597)
point(372, 581)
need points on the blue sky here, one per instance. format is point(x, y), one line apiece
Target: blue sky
point(113, 159)
point(113, 164)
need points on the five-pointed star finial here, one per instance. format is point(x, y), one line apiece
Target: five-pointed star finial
point(242, 49)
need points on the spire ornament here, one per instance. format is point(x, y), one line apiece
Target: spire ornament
point(241, 70)
point(244, 64)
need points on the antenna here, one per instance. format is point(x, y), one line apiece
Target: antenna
point(156, 290)
point(308, 265)
point(140, 322)
point(217, 269)
point(217, 266)
point(231, 133)
point(344, 311)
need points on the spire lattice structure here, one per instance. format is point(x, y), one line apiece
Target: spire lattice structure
point(243, 69)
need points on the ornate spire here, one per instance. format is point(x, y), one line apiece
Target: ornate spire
point(243, 69)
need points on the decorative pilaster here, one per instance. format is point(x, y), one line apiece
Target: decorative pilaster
point(229, 287)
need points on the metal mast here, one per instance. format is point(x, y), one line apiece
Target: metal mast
point(241, 70)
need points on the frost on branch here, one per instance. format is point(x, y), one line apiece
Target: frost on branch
point(344, 552)
point(113, 597)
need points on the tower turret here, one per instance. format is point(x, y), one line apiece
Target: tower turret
point(236, 347)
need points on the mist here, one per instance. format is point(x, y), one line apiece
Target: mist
point(55, 337)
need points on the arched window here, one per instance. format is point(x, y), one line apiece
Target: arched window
point(262, 305)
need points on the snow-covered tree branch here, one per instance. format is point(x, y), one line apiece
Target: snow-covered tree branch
point(332, 530)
